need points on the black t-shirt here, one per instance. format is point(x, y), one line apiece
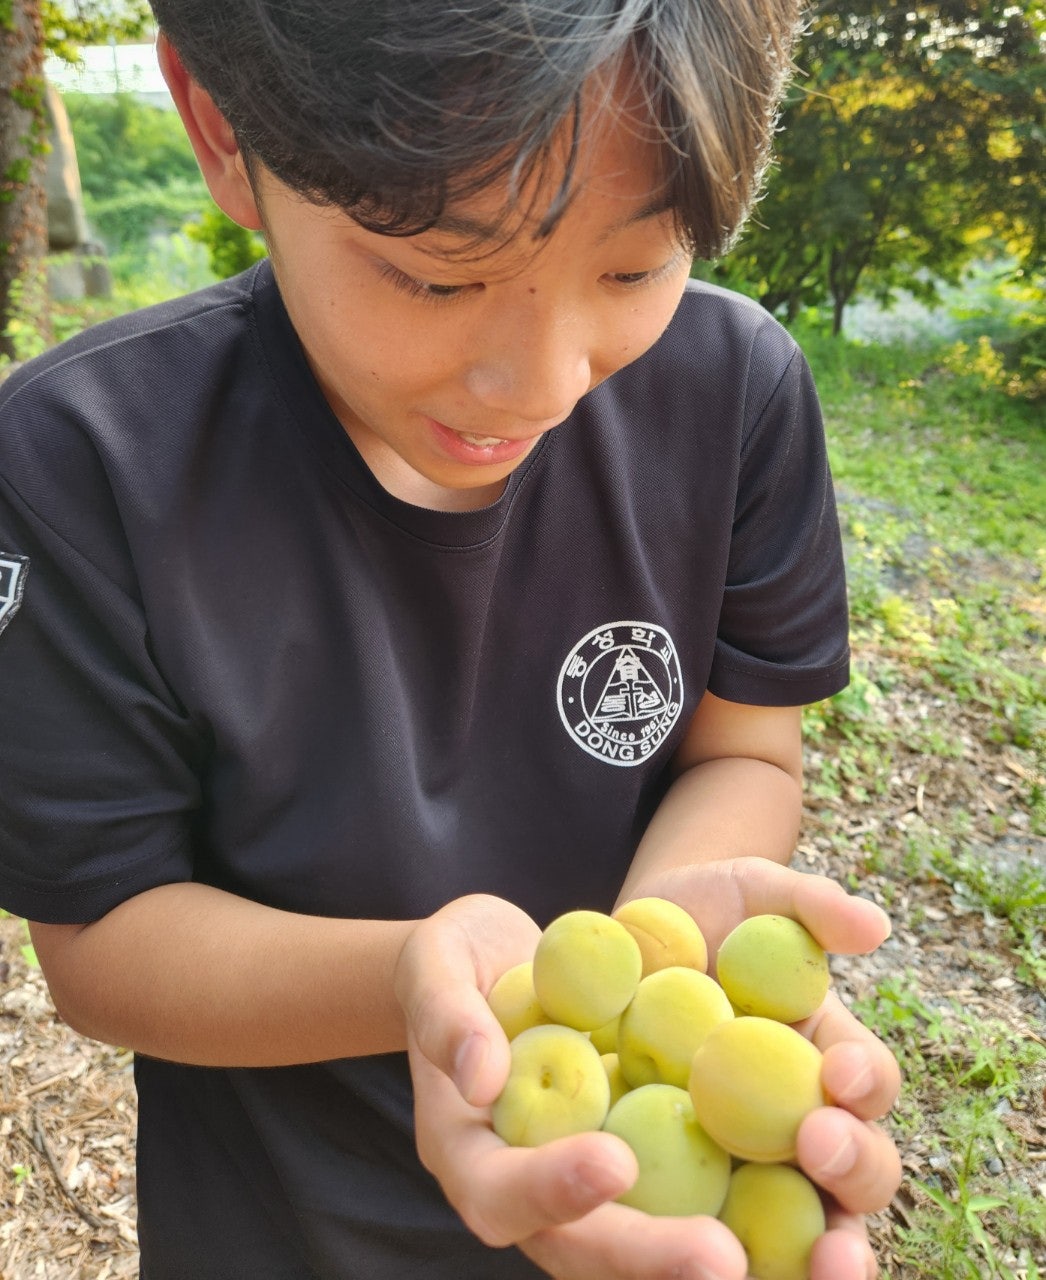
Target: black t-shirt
point(227, 654)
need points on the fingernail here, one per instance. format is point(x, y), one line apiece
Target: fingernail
point(859, 1085)
point(599, 1180)
point(842, 1160)
point(468, 1063)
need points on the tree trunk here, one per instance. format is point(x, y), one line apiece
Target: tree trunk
point(23, 203)
point(838, 307)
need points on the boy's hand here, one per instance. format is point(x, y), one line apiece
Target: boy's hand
point(555, 1201)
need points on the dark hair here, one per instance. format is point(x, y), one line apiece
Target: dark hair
point(395, 109)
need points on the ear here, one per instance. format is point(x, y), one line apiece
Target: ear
point(213, 141)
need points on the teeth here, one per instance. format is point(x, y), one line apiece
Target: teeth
point(481, 442)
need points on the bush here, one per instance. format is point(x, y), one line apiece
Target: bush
point(123, 144)
point(134, 214)
point(137, 169)
point(230, 247)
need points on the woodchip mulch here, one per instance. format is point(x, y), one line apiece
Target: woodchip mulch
point(67, 1119)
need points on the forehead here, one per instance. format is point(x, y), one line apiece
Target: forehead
point(602, 175)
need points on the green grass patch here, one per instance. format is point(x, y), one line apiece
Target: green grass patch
point(928, 774)
point(941, 452)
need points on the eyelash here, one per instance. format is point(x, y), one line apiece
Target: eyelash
point(418, 288)
point(443, 293)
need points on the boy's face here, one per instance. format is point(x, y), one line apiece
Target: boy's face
point(447, 367)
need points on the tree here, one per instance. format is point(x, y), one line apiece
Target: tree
point(913, 133)
point(23, 150)
point(28, 30)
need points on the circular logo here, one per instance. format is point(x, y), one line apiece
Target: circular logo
point(621, 691)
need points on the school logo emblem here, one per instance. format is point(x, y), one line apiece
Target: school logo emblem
point(621, 691)
point(12, 583)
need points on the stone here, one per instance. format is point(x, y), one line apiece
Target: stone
point(66, 220)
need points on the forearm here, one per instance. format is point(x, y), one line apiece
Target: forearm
point(733, 807)
point(192, 974)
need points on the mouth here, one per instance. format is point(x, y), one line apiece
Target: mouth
point(482, 442)
point(477, 448)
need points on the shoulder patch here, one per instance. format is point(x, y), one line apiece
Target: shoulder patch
point(13, 572)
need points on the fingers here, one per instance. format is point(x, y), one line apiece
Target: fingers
point(455, 1031)
point(554, 1201)
point(859, 1072)
point(506, 1194)
point(529, 1190)
point(843, 1252)
point(849, 1157)
point(616, 1243)
point(841, 923)
point(853, 1160)
point(722, 894)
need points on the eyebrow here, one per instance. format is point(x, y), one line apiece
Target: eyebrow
point(475, 229)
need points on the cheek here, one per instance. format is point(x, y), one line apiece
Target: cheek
point(645, 324)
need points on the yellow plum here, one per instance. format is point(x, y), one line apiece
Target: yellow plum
point(753, 1080)
point(586, 969)
point(557, 1086)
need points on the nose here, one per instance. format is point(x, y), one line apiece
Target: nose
point(530, 362)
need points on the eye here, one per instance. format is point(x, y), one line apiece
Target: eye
point(420, 288)
point(635, 279)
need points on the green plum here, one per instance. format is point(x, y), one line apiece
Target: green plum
point(773, 967)
point(777, 1214)
point(513, 1001)
point(667, 935)
point(681, 1170)
point(660, 1030)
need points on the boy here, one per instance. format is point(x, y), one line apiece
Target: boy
point(459, 565)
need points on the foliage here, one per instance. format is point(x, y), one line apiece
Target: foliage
point(26, 948)
point(71, 24)
point(30, 27)
point(912, 143)
point(131, 216)
point(141, 180)
point(162, 268)
point(964, 1071)
point(23, 337)
point(123, 144)
point(1002, 315)
point(137, 169)
point(230, 247)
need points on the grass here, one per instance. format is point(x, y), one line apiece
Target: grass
point(942, 482)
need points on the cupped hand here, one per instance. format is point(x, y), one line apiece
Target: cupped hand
point(556, 1202)
point(840, 1147)
point(553, 1201)
point(719, 895)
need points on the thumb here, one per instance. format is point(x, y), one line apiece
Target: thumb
point(445, 967)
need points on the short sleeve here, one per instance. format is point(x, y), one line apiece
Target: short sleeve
point(783, 629)
point(99, 789)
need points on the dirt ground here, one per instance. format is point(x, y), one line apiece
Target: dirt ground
point(67, 1118)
